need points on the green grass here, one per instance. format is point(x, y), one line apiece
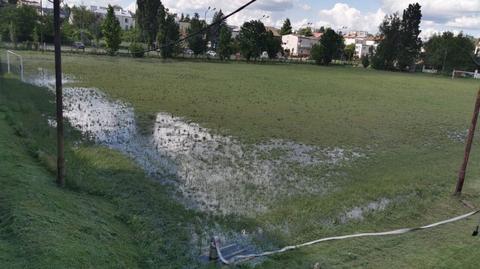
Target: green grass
point(109, 216)
point(402, 118)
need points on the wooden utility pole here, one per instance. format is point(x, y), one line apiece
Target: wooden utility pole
point(59, 95)
point(468, 147)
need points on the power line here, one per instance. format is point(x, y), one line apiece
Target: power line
point(208, 27)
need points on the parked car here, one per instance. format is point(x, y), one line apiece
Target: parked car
point(78, 45)
point(188, 52)
point(211, 53)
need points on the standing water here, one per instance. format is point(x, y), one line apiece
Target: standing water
point(213, 173)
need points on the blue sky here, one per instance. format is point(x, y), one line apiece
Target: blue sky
point(439, 15)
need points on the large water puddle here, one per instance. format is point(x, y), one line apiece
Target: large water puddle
point(211, 172)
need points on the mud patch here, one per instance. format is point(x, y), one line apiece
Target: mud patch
point(358, 213)
point(458, 136)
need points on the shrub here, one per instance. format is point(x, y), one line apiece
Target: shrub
point(317, 53)
point(137, 50)
point(365, 61)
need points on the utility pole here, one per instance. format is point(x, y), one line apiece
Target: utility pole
point(59, 95)
point(468, 147)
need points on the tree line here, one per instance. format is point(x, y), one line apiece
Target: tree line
point(400, 47)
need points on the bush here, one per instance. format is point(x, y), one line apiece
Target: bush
point(137, 50)
point(365, 61)
point(317, 53)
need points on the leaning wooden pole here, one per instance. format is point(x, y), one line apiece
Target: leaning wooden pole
point(59, 95)
point(468, 147)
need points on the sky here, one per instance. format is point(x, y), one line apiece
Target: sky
point(366, 15)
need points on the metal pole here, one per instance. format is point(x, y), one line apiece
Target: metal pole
point(21, 68)
point(59, 95)
point(468, 147)
point(8, 62)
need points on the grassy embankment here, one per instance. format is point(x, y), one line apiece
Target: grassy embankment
point(109, 216)
point(404, 119)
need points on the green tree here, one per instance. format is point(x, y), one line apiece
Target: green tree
point(225, 43)
point(81, 17)
point(307, 31)
point(112, 32)
point(388, 48)
point(332, 44)
point(23, 19)
point(365, 61)
point(197, 43)
point(131, 35)
point(317, 53)
point(349, 52)
point(252, 39)
point(147, 16)
point(13, 34)
point(448, 51)
point(35, 37)
point(168, 34)
point(410, 42)
point(273, 45)
point(286, 27)
point(214, 32)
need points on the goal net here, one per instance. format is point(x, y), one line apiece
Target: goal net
point(465, 74)
point(15, 64)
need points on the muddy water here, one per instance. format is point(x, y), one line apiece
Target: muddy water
point(212, 173)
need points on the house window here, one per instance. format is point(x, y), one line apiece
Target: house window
point(126, 20)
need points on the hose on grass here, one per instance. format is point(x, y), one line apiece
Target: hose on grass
point(241, 258)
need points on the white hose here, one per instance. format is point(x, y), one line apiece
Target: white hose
point(287, 248)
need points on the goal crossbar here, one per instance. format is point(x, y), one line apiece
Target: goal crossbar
point(9, 52)
point(475, 74)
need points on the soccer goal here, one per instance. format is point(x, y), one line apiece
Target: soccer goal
point(15, 64)
point(465, 74)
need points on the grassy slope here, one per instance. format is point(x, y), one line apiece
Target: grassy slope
point(403, 117)
point(46, 227)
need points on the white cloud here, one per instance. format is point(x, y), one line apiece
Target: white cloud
point(254, 12)
point(93, 2)
point(343, 16)
point(464, 22)
point(305, 7)
point(132, 7)
point(435, 7)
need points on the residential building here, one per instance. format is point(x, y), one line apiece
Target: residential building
point(362, 41)
point(126, 19)
point(183, 28)
point(235, 31)
point(298, 46)
point(33, 3)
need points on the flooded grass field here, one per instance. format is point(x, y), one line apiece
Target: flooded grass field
point(302, 156)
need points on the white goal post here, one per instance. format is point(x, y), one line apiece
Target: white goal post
point(460, 73)
point(9, 63)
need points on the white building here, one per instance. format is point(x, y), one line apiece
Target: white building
point(298, 46)
point(124, 17)
point(362, 41)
